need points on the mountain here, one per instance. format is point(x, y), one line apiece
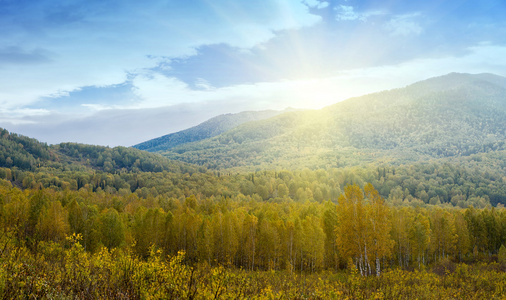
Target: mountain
point(436, 141)
point(207, 129)
point(450, 116)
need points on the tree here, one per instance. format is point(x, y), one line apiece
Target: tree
point(112, 228)
point(76, 217)
point(444, 237)
point(53, 225)
point(282, 190)
point(329, 224)
point(363, 232)
point(313, 245)
point(501, 257)
point(463, 242)
point(378, 225)
point(148, 230)
point(249, 236)
point(351, 233)
point(419, 237)
point(225, 237)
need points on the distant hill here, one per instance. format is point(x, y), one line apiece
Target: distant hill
point(207, 129)
point(29, 154)
point(449, 116)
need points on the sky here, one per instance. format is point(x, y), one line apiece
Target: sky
point(120, 72)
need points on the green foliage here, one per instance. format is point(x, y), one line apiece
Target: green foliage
point(29, 154)
point(117, 275)
point(111, 228)
point(118, 159)
point(22, 152)
point(501, 256)
point(463, 184)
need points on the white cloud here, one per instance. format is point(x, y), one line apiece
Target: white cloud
point(24, 85)
point(203, 84)
point(157, 90)
point(97, 107)
point(16, 116)
point(348, 13)
point(170, 105)
point(404, 25)
point(316, 4)
point(105, 47)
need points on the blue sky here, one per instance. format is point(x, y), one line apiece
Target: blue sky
point(121, 72)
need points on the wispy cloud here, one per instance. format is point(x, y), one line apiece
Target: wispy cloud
point(404, 25)
point(316, 4)
point(96, 43)
point(348, 13)
point(16, 55)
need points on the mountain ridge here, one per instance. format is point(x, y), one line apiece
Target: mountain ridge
point(204, 130)
point(451, 115)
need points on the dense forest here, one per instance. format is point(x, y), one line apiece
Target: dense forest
point(394, 195)
point(24, 153)
point(414, 185)
point(92, 233)
point(94, 244)
point(284, 234)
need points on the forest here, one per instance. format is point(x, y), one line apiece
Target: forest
point(80, 230)
point(90, 245)
point(394, 195)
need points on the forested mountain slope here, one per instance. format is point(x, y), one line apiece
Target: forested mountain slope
point(207, 129)
point(477, 180)
point(449, 116)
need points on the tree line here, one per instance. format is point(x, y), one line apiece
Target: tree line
point(359, 230)
point(479, 183)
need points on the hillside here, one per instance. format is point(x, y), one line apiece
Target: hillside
point(207, 129)
point(455, 115)
point(29, 154)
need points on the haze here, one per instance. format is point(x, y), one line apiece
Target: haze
point(122, 72)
